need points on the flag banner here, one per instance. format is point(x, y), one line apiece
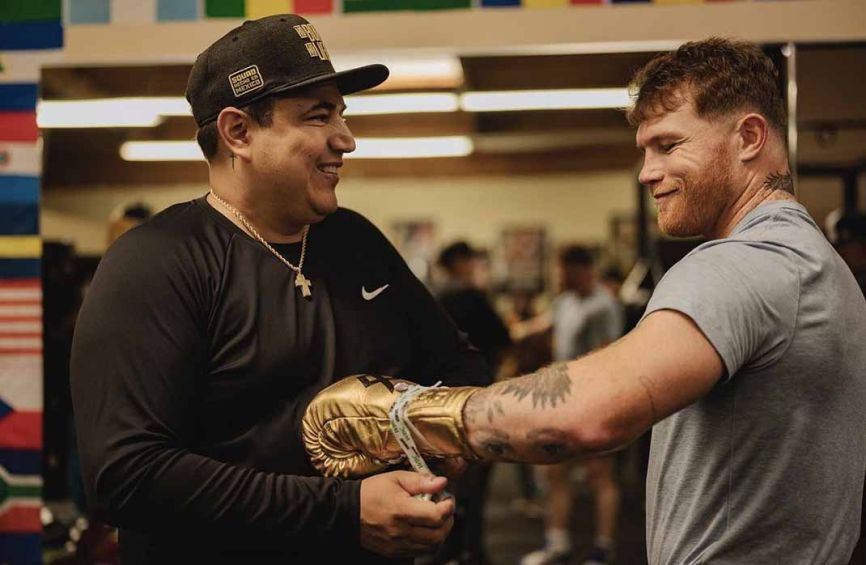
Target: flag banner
point(18, 96)
point(132, 11)
point(178, 10)
point(30, 35)
point(256, 9)
point(545, 3)
point(18, 126)
point(20, 247)
point(19, 269)
point(15, 189)
point(224, 8)
point(20, 159)
point(30, 10)
point(26, 66)
point(19, 219)
point(312, 7)
point(88, 11)
point(21, 548)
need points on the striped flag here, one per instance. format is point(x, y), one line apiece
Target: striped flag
point(20, 407)
point(31, 34)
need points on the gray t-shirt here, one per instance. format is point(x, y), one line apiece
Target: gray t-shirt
point(584, 323)
point(768, 467)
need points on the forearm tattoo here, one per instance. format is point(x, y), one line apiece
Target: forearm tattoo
point(498, 445)
point(779, 181)
point(494, 435)
point(548, 386)
point(551, 442)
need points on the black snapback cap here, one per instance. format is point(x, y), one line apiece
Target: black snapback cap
point(263, 57)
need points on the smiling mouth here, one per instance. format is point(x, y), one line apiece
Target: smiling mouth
point(660, 195)
point(330, 168)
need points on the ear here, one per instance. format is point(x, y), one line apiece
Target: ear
point(752, 133)
point(234, 130)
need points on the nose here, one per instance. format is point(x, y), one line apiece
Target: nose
point(651, 172)
point(342, 139)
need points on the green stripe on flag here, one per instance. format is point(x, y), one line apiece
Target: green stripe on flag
point(224, 8)
point(30, 10)
point(8, 492)
point(391, 5)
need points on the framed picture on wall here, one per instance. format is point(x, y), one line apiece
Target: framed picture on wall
point(521, 258)
point(416, 242)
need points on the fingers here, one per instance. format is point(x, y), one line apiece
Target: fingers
point(429, 514)
point(417, 540)
point(416, 483)
point(431, 536)
point(394, 522)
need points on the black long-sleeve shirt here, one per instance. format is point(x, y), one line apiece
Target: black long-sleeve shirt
point(193, 360)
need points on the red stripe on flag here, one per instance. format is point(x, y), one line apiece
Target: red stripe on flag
point(18, 126)
point(21, 283)
point(20, 351)
point(21, 520)
point(21, 430)
point(314, 6)
point(26, 302)
point(19, 335)
point(20, 318)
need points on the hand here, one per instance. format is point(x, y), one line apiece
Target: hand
point(396, 524)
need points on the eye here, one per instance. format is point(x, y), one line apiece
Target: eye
point(319, 117)
point(668, 147)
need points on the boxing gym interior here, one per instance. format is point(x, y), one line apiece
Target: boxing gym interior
point(498, 143)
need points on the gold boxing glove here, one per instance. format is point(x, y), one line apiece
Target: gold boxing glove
point(347, 432)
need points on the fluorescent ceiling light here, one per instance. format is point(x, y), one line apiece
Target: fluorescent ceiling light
point(411, 147)
point(565, 99)
point(148, 112)
point(109, 112)
point(401, 103)
point(367, 148)
point(413, 70)
point(161, 151)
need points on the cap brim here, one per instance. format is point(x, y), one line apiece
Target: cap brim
point(348, 81)
point(361, 78)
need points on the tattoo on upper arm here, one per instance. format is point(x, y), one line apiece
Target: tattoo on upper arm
point(649, 394)
point(548, 386)
point(779, 181)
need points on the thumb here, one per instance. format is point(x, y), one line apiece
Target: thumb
point(416, 483)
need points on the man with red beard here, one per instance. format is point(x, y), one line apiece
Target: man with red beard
point(748, 363)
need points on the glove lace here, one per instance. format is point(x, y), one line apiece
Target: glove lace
point(404, 429)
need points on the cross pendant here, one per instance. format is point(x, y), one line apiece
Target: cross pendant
point(304, 284)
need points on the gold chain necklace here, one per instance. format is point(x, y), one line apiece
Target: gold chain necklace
point(301, 282)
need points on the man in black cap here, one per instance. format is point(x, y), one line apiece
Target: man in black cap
point(208, 329)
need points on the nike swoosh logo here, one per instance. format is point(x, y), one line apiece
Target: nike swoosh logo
point(371, 295)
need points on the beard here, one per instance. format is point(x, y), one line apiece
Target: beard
point(702, 197)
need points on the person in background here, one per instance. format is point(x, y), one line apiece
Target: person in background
point(470, 308)
point(125, 218)
point(585, 316)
